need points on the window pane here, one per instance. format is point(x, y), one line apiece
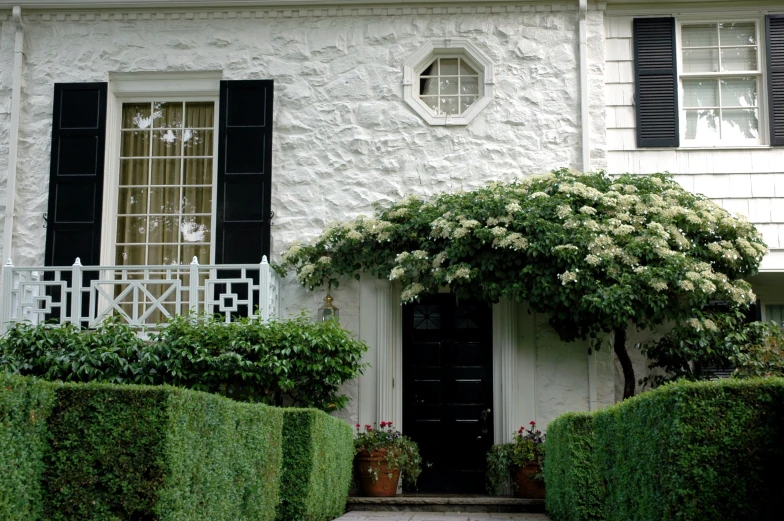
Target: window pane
point(701, 60)
point(448, 67)
point(739, 92)
point(167, 115)
point(448, 86)
point(774, 312)
point(167, 143)
point(164, 199)
point(465, 68)
point(199, 114)
point(197, 142)
point(132, 200)
point(701, 124)
point(163, 254)
point(428, 86)
point(197, 199)
point(164, 228)
point(449, 105)
point(200, 251)
point(131, 229)
point(431, 70)
point(700, 35)
point(466, 102)
point(135, 143)
point(130, 255)
point(469, 85)
point(134, 171)
point(195, 228)
point(739, 125)
point(739, 59)
point(700, 93)
point(198, 172)
point(165, 172)
point(136, 115)
point(743, 33)
point(432, 102)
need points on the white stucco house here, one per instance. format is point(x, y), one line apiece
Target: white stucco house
point(138, 133)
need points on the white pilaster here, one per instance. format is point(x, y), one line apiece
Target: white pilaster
point(504, 371)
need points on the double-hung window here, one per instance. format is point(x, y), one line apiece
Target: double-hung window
point(709, 83)
point(720, 74)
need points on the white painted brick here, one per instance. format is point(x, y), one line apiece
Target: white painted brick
point(740, 185)
point(618, 49)
point(619, 94)
point(734, 206)
point(760, 210)
point(762, 185)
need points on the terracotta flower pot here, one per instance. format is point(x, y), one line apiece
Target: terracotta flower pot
point(527, 486)
point(376, 478)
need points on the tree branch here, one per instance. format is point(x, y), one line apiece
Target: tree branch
point(619, 346)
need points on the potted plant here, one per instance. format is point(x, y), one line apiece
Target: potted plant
point(381, 454)
point(521, 461)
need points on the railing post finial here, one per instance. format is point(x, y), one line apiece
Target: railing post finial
point(77, 262)
point(195, 261)
point(264, 259)
point(9, 263)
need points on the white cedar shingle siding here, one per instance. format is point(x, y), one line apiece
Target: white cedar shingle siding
point(747, 181)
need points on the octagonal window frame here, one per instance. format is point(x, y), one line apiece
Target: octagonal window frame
point(448, 48)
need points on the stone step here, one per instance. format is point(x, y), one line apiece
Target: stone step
point(443, 503)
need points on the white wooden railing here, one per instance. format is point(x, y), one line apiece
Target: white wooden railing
point(142, 296)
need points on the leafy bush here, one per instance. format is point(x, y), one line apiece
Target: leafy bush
point(402, 452)
point(296, 362)
point(694, 451)
point(24, 408)
point(707, 341)
point(505, 459)
point(574, 489)
point(318, 456)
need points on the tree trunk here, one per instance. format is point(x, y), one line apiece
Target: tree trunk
point(619, 346)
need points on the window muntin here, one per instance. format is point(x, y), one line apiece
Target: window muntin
point(449, 85)
point(164, 204)
point(720, 82)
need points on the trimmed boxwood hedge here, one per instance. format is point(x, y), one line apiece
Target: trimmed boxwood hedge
point(686, 451)
point(318, 453)
point(24, 408)
point(574, 489)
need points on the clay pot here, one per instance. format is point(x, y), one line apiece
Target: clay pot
point(527, 486)
point(374, 464)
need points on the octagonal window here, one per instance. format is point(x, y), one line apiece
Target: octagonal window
point(449, 82)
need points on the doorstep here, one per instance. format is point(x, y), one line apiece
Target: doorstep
point(444, 503)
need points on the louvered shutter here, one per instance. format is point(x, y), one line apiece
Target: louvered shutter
point(656, 82)
point(76, 174)
point(774, 30)
point(244, 163)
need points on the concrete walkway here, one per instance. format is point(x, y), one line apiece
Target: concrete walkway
point(437, 516)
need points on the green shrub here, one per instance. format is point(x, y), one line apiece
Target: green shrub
point(318, 454)
point(296, 362)
point(694, 451)
point(574, 489)
point(24, 408)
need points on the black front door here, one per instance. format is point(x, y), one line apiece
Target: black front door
point(448, 391)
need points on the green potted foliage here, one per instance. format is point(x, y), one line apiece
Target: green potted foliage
point(521, 461)
point(380, 456)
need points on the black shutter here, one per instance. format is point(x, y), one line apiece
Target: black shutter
point(656, 82)
point(774, 31)
point(76, 174)
point(244, 164)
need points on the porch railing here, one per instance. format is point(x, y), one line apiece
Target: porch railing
point(142, 296)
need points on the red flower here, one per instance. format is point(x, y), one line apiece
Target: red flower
point(532, 422)
point(370, 429)
point(389, 424)
point(357, 426)
point(383, 424)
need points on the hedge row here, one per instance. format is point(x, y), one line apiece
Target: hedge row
point(686, 451)
point(120, 452)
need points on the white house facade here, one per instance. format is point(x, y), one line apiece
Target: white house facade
point(146, 133)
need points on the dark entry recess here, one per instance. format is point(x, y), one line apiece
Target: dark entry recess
point(448, 391)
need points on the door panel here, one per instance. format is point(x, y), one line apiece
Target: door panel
point(448, 391)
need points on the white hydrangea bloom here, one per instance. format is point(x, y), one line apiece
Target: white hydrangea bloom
point(513, 207)
point(588, 210)
point(396, 273)
point(567, 277)
point(411, 292)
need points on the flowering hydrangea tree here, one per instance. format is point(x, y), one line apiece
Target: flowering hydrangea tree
point(594, 252)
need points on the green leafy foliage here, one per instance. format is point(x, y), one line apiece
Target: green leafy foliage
point(686, 451)
point(574, 489)
point(717, 340)
point(401, 451)
point(503, 460)
point(296, 362)
point(593, 252)
point(24, 408)
point(317, 466)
